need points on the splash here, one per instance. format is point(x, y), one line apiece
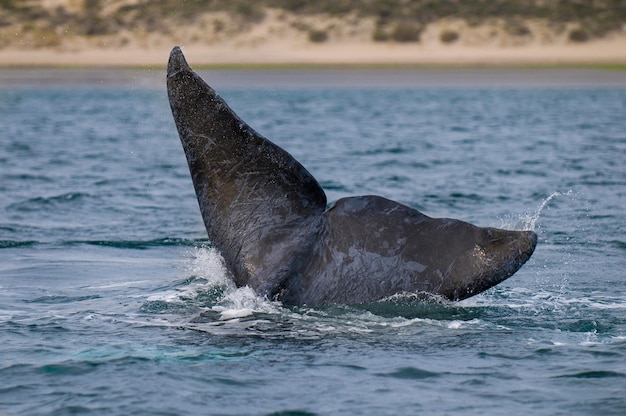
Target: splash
point(528, 222)
point(208, 282)
point(208, 264)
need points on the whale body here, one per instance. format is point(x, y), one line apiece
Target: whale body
point(268, 217)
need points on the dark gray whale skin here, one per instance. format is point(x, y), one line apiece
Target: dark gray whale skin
point(267, 216)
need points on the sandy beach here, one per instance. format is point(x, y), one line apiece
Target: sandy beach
point(278, 52)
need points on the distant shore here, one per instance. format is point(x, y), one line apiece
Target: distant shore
point(603, 52)
point(127, 33)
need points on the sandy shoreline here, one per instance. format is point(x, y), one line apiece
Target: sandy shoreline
point(277, 52)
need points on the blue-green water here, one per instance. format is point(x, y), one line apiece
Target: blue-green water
point(112, 301)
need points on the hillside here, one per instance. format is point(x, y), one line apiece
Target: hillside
point(279, 29)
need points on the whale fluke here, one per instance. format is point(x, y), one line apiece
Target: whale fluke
point(267, 216)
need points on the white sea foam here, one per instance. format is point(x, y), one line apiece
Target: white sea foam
point(458, 324)
point(228, 314)
point(406, 322)
point(244, 302)
point(238, 309)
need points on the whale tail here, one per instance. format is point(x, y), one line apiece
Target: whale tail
point(267, 216)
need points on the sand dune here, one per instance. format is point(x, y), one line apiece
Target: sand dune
point(285, 39)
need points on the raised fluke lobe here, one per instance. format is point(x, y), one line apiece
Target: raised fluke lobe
point(177, 62)
point(267, 216)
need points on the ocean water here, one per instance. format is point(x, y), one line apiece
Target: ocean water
point(113, 302)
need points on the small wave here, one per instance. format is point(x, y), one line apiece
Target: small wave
point(15, 244)
point(394, 150)
point(410, 373)
point(71, 368)
point(60, 299)
point(294, 412)
point(35, 204)
point(618, 244)
point(522, 172)
point(28, 177)
point(132, 283)
point(470, 197)
point(602, 183)
point(594, 374)
point(140, 244)
point(541, 300)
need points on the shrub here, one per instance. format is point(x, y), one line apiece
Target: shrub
point(517, 29)
point(578, 35)
point(380, 35)
point(10, 4)
point(45, 38)
point(250, 11)
point(448, 36)
point(318, 36)
point(300, 25)
point(406, 32)
point(96, 27)
point(218, 25)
